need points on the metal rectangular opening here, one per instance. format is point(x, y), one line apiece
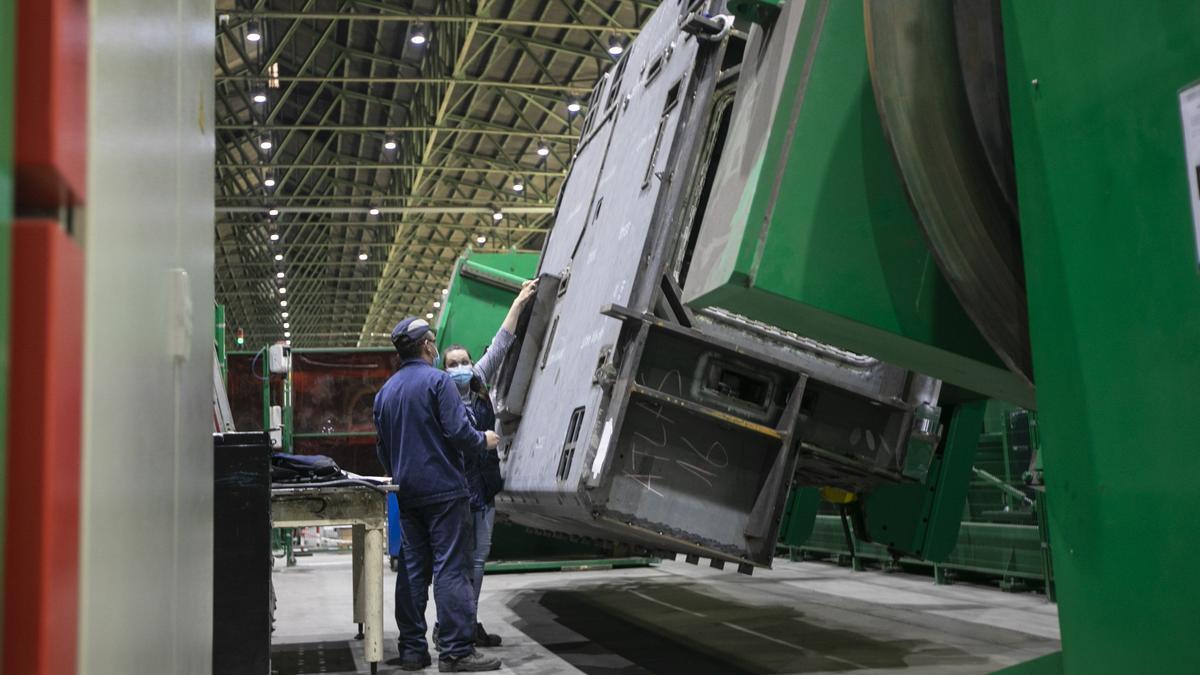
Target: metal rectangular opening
point(569, 443)
point(725, 379)
point(549, 343)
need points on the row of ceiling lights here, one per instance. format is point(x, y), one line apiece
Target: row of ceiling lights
point(419, 38)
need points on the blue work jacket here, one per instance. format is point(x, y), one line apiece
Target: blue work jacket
point(424, 433)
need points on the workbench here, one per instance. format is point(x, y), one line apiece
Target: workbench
point(365, 509)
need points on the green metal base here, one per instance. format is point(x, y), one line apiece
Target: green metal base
point(516, 566)
point(1010, 553)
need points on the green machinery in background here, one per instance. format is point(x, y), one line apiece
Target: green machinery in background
point(1004, 195)
point(1002, 536)
point(480, 292)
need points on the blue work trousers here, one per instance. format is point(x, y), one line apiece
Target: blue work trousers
point(484, 520)
point(438, 545)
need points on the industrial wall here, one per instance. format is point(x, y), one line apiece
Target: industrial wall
point(146, 564)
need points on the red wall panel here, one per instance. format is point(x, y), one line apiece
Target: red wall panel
point(45, 415)
point(51, 102)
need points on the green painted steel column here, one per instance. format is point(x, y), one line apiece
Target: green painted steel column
point(923, 519)
point(7, 19)
point(1114, 305)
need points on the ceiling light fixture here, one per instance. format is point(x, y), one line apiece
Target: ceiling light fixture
point(278, 257)
point(282, 290)
point(418, 36)
point(481, 239)
point(429, 315)
point(275, 237)
point(269, 182)
point(286, 325)
point(436, 305)
point(542, 150)
point(260, 97)
point(283, 314)
point(252, 33)
point(283, 303)
point(363, 256)
point(518, 186)
point(614, 46)
point(279, 275)
point(573, 107)
point(373, 211)
point(497, 216)
point(265, 144)
point(389, 144)
point(287, 334)
point(273, 212)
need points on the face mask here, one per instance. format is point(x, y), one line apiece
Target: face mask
point(462, 376)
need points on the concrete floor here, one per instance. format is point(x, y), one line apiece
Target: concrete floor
point(680, 618)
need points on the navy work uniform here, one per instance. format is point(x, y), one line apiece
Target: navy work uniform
point(424, 433)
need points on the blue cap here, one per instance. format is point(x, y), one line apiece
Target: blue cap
point(409, 331)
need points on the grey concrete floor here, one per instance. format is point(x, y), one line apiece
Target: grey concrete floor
point(678, 618)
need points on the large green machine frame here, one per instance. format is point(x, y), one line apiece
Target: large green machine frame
point(1002, 536)
point(1106, 263)
point(1114, 311)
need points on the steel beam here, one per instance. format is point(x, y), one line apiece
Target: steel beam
point(428, 19)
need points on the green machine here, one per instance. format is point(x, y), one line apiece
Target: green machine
point(480, 292)
point(1002, 537)
point(1003, 195)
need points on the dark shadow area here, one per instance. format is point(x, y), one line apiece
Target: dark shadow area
point(658, 628)
point(303, 658)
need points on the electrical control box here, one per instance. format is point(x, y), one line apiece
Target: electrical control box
point(280, 359)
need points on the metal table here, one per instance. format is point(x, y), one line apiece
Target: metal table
point(365, 509)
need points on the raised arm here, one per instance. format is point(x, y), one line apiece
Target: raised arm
point(489, 363)
point(528, 290)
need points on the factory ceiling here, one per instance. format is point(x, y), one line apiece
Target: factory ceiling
point(362, 146)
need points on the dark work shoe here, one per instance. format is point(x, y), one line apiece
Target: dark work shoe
point(415, 661)
point(471, 663)
point(484, 638)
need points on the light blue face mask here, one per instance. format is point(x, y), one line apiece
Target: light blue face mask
point(462, 376)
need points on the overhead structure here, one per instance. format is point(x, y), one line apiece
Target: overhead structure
point(362, 146)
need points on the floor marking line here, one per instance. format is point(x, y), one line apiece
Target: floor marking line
point(667, 604)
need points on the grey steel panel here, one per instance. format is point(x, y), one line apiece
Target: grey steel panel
point(642, 423)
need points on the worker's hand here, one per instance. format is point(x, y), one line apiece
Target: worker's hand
point(528, 290)
point(493, 439)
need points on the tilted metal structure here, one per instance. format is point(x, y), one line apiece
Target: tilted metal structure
point(633, 418)
point(368, 231)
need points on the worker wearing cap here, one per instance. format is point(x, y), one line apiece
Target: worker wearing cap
point(424, 432)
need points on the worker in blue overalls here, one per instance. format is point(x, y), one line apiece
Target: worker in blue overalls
point(483, 469)
point(424, 433)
